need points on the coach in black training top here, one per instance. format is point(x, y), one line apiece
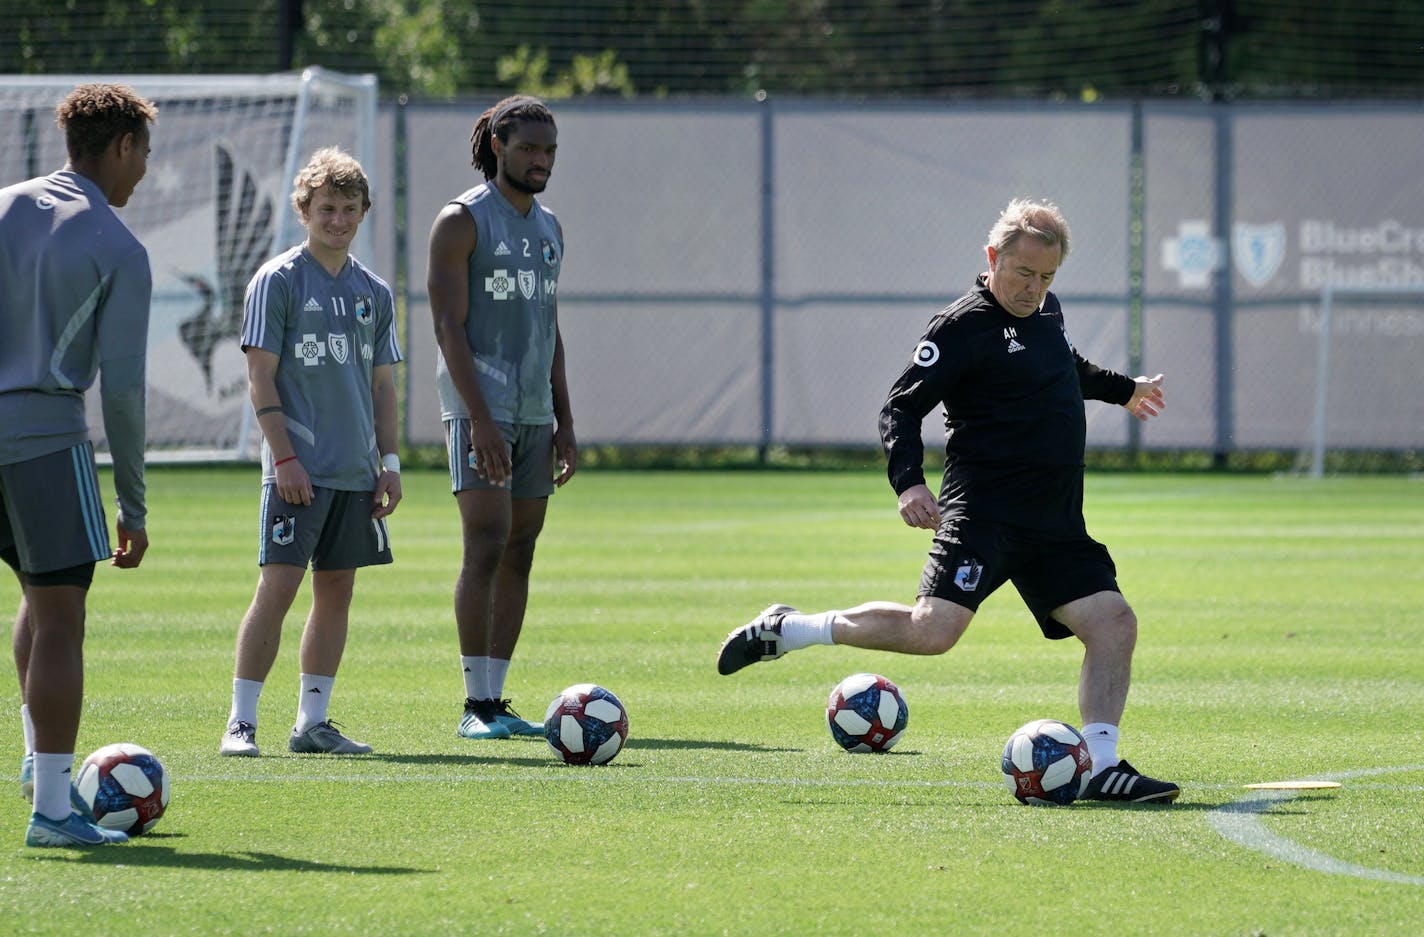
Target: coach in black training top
point(1011, 505)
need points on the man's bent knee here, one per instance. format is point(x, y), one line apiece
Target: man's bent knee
point(937, 625)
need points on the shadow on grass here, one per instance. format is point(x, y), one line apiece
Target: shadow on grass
point(1173, 807)
point(144, 852)
point(716, 744)
point(497, 756)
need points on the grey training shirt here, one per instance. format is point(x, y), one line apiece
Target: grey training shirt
point(513, 310)
point(328, 334)
point(75, 286)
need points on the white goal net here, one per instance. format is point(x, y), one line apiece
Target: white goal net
point(213, 207)
point(1368, 344)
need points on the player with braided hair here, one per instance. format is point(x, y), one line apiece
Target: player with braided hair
point(493, 277)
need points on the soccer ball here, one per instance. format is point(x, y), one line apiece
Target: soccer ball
point(866, 713)
point(1046, 763)
point(126, 786)
point(586, 725)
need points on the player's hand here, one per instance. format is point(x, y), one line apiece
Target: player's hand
point(1147, 400)
point(565, 455)
point(386, 496)
point(918, 508)
point(133, 544)
point(489, 453)
point(293, 483)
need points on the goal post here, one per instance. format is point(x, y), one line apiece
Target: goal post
point(1384, 417)
point(214, 206)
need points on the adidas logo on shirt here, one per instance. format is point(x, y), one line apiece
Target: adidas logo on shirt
point(1015, 346)
point(502, 250)
point(312, 306)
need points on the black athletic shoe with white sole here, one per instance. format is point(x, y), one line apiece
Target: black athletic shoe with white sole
point(757, 640)
point(1124, 784)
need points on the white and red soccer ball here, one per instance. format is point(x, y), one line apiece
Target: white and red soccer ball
point(126, 786)
point(1046, 763)
point(867, 713)
point(586, 725)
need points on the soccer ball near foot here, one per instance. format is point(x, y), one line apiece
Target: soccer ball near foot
point(586, 725)
point(126, 786)
point(1046, 763)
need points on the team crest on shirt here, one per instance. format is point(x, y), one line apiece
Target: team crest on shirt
point(284, 529)
point(339, 346)
point(363, 310)
point(550, 252)
point(528, 283)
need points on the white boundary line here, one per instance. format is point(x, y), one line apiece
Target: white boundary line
point(1241, 823)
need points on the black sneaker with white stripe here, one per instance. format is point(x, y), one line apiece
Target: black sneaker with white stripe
point(757, 640)
point(1124, 784)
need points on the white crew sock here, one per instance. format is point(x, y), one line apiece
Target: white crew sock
point(476, 677)
point(498, 671)
point(316, 696)
point(245, 694)
point(28, 727)
point(798, 630)
point(1102, 745)
point(52, 777)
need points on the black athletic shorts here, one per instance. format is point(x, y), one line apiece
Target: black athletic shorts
point(970, 559)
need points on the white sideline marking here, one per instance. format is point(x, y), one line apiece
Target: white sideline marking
point(600, 775)
point(1241, 823)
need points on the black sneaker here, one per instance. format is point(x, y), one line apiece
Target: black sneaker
point(757, 640)
point(1124, 784)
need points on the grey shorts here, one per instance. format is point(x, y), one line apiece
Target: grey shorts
point(335, 531)
point(970, 559)
point(51, 514)
point(531, 452)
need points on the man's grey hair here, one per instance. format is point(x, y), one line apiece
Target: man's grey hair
point(1025, 217)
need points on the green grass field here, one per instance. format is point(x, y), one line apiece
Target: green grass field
point(1282, 636)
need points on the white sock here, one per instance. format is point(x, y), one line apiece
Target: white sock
point(245, 694)
point(498, 671)
point(798, 630)
point(28, 727)
point(476, 677)
point(52, 777)
point(316, 696)
point(1102, 745)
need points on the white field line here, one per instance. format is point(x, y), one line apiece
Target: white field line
point(1240, 822)
point(613, 775)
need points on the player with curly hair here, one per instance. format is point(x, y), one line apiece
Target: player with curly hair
point(77, 287)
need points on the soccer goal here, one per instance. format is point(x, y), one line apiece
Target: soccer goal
point(214, 206)
point(1369, 341)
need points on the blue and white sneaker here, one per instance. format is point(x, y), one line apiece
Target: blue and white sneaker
point(73, 830)
point(481, 721)
point(27, 789)
point(505, 715)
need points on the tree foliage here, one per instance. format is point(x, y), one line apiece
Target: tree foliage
point(906, 48)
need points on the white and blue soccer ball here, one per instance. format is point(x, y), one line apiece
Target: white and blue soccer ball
point(126, 786)
point(867, 713)
point(1046, 763)
point(586, 725)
